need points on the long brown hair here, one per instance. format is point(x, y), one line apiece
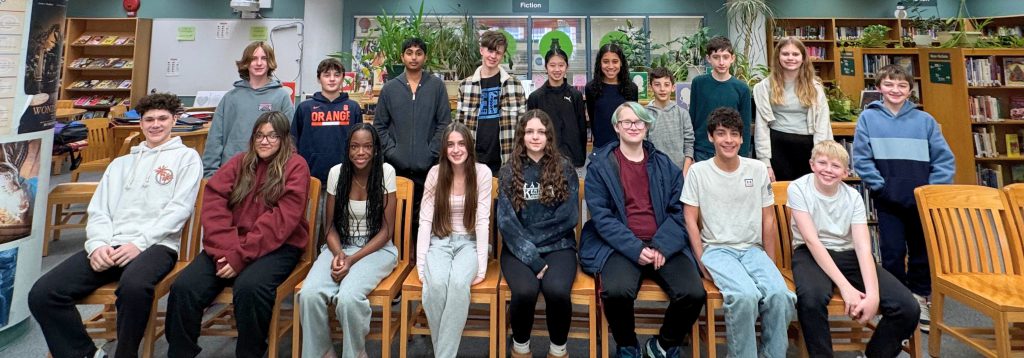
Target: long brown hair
point(249, 53)
point(273, 187)
point(805, 78)
point(554, 188)
point(442, 224)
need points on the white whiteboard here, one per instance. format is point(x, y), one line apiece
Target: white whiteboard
point(208, 63)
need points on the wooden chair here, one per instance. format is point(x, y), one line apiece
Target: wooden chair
point(584, 325)
point(65, 104)
point(847, 334)
point(479, 323)
point(222, 323)
point(103, 324)
point(974, 253)
point(387, 325)
point(97, 155)
point(62, 196)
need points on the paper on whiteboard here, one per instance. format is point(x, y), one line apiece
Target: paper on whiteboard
point(173, 67)
point(223, 30)
point(208, 98)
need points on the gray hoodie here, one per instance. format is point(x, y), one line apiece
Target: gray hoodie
point(672, 132)
point(235, 116)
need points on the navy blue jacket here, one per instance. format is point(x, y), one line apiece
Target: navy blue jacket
point(606, 231)
point(320, 128)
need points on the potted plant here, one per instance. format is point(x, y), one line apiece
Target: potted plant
point(635, 44)
point(962, 30)
point(745, 14)
point(874, 36)
point(841, 107)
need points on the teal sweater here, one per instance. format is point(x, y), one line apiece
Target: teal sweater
point(707, 95)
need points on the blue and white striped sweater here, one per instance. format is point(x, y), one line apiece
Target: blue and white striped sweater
point(893, 154)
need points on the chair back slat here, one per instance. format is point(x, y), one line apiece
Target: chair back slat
point(582, 219)
point(495, 238)
point(403, 217)
point(967, 229)
point(312, 213)
point(99, 138)
point(1015, 195)
point(783, 218)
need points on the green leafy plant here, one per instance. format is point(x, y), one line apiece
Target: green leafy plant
point(841, 107)
point(745, 14)
point(748, 72)
point(965, 30)
point(635, 45)
point(456, 47)
point(393, 30)
point(874, 36)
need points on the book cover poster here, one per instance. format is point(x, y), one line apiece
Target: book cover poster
point(8, 269)
point(1013, 71)
point(42, 64)
point(19, 175)
point(348, 83)
point(640, 80)
point(683, 95)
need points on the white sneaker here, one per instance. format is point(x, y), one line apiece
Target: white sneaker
point(924, 323)
point(100, 353)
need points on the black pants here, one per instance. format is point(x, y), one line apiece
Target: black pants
point(52, 300)
point(254, 291)
point(814, 290)
point(791, 155)
point(679, 277)
point(556, 286)
point(902, 248)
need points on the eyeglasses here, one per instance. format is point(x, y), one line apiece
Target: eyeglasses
point(272, 137)
point(632, 124)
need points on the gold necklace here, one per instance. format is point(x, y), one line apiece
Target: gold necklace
point(361, 185)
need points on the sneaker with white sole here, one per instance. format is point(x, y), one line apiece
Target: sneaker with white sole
point(925, 321)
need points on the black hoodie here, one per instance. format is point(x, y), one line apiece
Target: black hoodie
point(564, 104)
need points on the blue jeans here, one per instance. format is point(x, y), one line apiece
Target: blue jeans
point(751, 285)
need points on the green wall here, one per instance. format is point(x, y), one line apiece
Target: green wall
point(995, 7)
point(186, 9)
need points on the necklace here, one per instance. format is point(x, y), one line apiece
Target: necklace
point(361, 185)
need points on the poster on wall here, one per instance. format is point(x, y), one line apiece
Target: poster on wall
point(19, 177)
point(42, 64)
point(8, 269)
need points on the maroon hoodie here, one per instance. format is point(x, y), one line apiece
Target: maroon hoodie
point(252, 229)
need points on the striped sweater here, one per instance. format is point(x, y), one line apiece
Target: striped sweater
point(893, 154)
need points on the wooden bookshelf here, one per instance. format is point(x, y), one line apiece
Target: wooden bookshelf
point(138, 29)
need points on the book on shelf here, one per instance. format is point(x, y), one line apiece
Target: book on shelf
point(1017, 173)
point(990, 175)
point(1004, 31)
point(985, 109)
point(1017, 107)
point(816, 53)
point(849, 32)
point(869, 95)
point(803, 32)
point(121, 40)
point(82, 40)
point(983, 72)
point(108, 40)
point(1014, 71)
point(872, 63)
point(95, 40)
point(1012, 145)
point(984, 143)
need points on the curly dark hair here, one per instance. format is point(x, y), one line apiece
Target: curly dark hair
point(167, 101)
point(725, 117)
point(554, 188)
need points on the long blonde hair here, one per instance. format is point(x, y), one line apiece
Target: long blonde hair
point(273, 187)
point(805, 89)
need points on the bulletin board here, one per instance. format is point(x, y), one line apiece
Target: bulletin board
point(191, 55)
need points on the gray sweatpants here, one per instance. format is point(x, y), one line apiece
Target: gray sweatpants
point(351, 306)
point(448, 273)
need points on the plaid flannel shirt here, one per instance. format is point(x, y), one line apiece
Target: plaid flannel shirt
point(513, 105)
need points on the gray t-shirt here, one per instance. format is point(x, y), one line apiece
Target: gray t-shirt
point(790, 116)
point(832, 215)
point(730, 202)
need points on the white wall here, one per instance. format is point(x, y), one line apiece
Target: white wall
point(324, 23)
point(757, 47)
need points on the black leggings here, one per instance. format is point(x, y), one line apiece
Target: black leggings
point(525, 287)
point(791, 155)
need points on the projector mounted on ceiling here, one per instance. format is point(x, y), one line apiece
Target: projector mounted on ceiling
point(249, 9)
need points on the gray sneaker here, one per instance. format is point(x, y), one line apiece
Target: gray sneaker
point(926, 315)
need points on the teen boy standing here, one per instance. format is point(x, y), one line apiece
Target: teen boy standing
point(719, 89)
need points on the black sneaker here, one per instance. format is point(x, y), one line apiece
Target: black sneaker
point(628, 352)
point(652, 349)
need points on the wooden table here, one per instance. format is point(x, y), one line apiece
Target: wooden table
point(195, 139)
point(63, 114)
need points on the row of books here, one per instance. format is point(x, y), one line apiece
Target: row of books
point(104, 40)
point(874, 62)
point(991, 175)
point(101, 84)
point(816, 53)
point(102, 62)
point(985, 143)
point(869, 204)
point(987, 72)
point(990, 109)
point(849, 32)
point(802, 32)
point(99, 100)
point(1005, 31)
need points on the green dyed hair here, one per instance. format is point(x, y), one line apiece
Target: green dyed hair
point(640, 111)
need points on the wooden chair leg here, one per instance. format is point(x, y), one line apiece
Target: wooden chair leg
point(935, 331)
point(502, 327)
point(712, 334)
point(74, 176)
point(48, 232)
point(1002, 334)
point(592, 323)
point(915, 344)
point(605, 351)
point(404, 321)
point(151, 326)
point(695, 340)
point(385, 330)
point(297, 327)
point(493, 329)
point(61, 220)
point(272, 340)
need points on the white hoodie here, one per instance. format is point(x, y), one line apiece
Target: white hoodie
point(145, 197)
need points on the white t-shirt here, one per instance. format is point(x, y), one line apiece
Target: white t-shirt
point(730, 203)
point(832, 215)
point(357, 209)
